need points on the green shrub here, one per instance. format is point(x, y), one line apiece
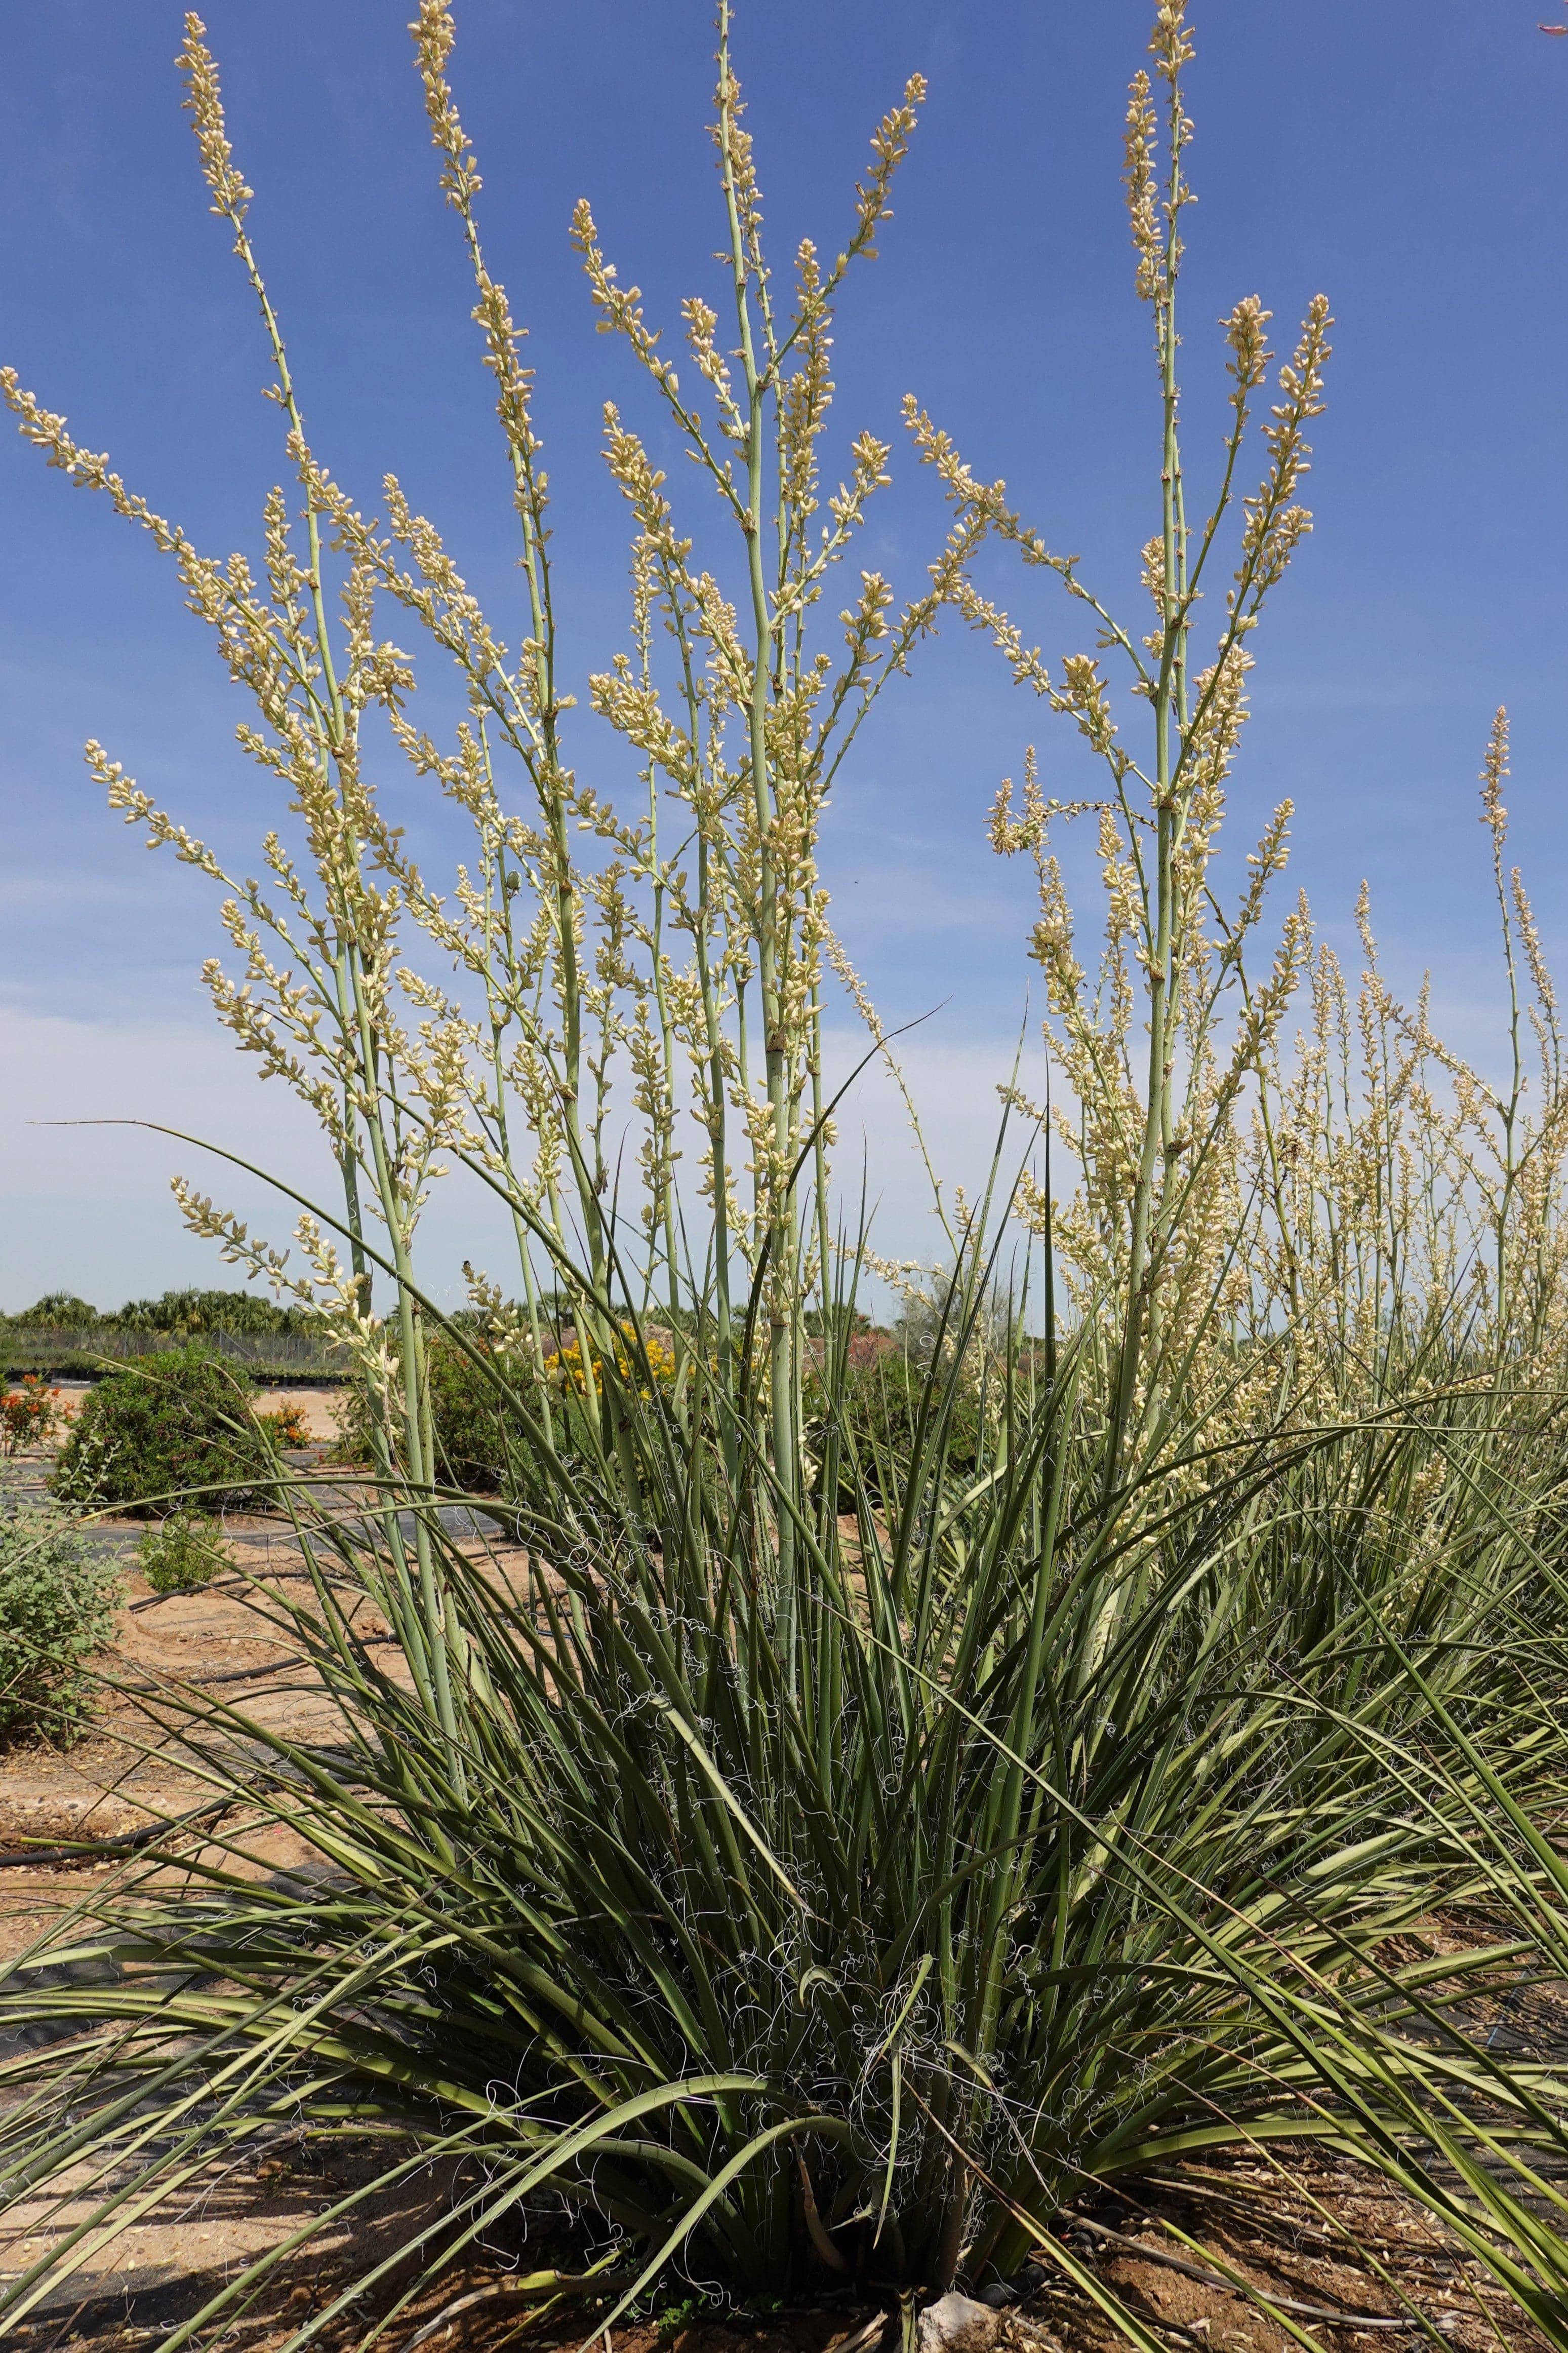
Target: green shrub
point(182, 1552)
point(477, 1439)
point(480, 1444)
point(350, 1411)
point(57, 1605)
point(875, 1422)
point(164, 1426)
point(58, 1311)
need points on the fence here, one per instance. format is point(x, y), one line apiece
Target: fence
point(294, 1355)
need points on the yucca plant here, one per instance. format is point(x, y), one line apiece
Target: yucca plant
point(860, 1951)
point(820, 1848)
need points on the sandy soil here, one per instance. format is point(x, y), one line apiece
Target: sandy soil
point(319, 1407)
point(117, 1780)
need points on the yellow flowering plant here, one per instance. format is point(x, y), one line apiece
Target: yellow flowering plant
point(640, 1365)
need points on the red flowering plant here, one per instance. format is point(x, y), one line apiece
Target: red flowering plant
point(28, 1415)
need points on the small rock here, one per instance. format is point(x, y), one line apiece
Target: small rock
point(956, 2324)
point(999, 2294)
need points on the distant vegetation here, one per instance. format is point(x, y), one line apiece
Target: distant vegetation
point(177, 1313)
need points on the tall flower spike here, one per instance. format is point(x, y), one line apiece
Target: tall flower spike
point(434, 36)
point(1139, 179)
point(1494, 773)
point(889, 145)
point(204, 99)
point(1249, 353)
point(734, 143)
point(1171, 43)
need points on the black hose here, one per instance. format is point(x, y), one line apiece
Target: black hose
point(84, 1850)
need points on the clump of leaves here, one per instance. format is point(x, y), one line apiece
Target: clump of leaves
point(161, 1431)
point(480, 1444)
point(57, 1598)
point(476, 1444)
point(182, 1552)
point(868, 1427)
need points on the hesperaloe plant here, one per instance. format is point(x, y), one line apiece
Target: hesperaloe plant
point(821, 1847)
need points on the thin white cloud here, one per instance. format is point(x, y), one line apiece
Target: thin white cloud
point(88, 1208)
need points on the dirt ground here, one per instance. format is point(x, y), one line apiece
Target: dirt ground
point(318, 1407)
point(117, 1780)
point(1318, 2234)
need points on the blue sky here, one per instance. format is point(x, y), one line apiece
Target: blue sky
point(1404, 156)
